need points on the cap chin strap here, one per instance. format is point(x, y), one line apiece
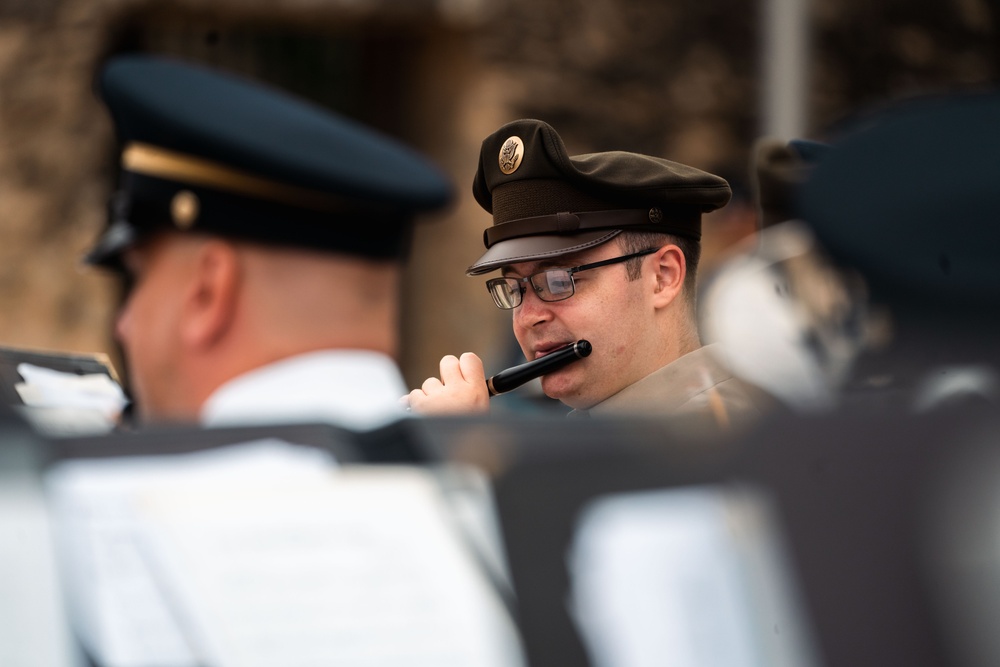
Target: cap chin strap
point(653, 219)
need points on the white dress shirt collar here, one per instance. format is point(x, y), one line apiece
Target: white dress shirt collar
point(357, 389)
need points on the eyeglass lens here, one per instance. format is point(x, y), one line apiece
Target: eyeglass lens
point(551, 285)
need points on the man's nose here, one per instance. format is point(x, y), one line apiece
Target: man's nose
point(532, 311)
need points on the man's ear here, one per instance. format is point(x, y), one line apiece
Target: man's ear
point(213, 291)
point(669, 271)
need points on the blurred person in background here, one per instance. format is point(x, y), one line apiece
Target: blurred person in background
point(907, 197)
point(262, 241)
point(602, 247)
point(727, 232)
point(782, 315)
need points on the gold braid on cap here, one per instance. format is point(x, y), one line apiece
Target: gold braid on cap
point(159, 162)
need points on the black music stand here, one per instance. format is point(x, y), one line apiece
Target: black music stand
point(855, 500)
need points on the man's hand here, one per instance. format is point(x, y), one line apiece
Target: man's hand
point(461, 389)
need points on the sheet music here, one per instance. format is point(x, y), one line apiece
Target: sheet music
point(61, 403)
point(34, 628)
point(255, 558)
point(691, 577)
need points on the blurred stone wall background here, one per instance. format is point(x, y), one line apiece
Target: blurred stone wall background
point(676, 78)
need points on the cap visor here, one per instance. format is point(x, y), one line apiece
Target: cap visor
point(534, 248)
point(109, 247)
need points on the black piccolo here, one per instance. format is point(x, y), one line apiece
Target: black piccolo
point(514, 377)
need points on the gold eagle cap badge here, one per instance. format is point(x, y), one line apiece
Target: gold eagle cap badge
point(184, 209)
point(510, 155)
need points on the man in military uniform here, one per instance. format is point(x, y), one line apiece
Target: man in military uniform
point(262, 239)
point(602, 247)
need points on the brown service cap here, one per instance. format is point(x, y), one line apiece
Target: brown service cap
point(546, 203)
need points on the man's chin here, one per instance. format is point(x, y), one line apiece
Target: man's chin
point(563, 389)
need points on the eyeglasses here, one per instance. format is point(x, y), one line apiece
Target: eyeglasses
point(551, 285)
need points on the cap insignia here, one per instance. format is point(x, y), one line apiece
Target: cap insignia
point(184, 209)
point(655, 215)
point(511, 154)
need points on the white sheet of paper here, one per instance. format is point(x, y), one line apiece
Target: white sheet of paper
point(62, 404)
point(118, 606)
point(690, 577)
point(45, 387)
point(259, 556)
point(34, 624)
